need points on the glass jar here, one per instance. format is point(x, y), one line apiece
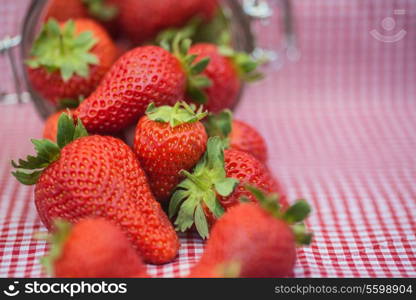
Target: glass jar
point(240, 15)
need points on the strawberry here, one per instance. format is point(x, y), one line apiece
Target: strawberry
point(217, 184)
point(73, 254)
point(141, 20)
point(141, 76)
point(246, 138)
point(237, 134)
point(83, 176)
point(226, 71)
point(255, 240)
point(51, 126)
point(63, 10)
point(169, 139)
point(69, 59)
point(248, 170)
point(106, 12)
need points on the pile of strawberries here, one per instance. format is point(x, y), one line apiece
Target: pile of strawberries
point(110, 207)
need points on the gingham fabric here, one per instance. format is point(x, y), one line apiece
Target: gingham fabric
point(341, 129)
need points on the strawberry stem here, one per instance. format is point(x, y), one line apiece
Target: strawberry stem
point(200, 188)
point(196, 82)
point(201, 184)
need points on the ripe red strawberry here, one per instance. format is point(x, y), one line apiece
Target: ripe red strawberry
point(50, 129)
point(63, 10)
point(217, 184)
point(141, 76)
point(237, 134)
point(226, 71)
point(141, 20)
point(245, 138)
point(248, 170)
point(255, 240)
point(69, 59)
point(93, 247)
point(83, 176)
point(169, 139)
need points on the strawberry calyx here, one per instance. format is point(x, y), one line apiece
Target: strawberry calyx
point(176, 115)
point(294, 215)
point(28, 171)
point(57, 239)
point(216, 31)
point(61, 49)
point(245, 65)
point(101, 10)
point(220, 125)
point(166, 37)
point(200, 189)
point(196, 82)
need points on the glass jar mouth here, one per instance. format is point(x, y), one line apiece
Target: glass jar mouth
point(242, 38)
point(242, 14)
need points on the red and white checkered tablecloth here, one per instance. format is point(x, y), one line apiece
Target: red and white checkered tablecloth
point(341, 130)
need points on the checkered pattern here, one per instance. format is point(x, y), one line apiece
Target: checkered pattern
point(340, 125)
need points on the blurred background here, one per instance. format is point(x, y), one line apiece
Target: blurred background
point(338, 112)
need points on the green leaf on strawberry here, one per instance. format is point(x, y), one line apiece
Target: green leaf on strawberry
point(201, 221)
point(57, 240)
point(199, 66)
point(66, 130)
point(220, 125)
point(297, 212)
point(62, 49)
point(294, 215)
point(196, 82)
point(217, 30)
point(101, 10)
point(28, 171)
point(302, 236)
point(165, 37)
point(246, 65)
point(200, 189)
point(176, 115)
